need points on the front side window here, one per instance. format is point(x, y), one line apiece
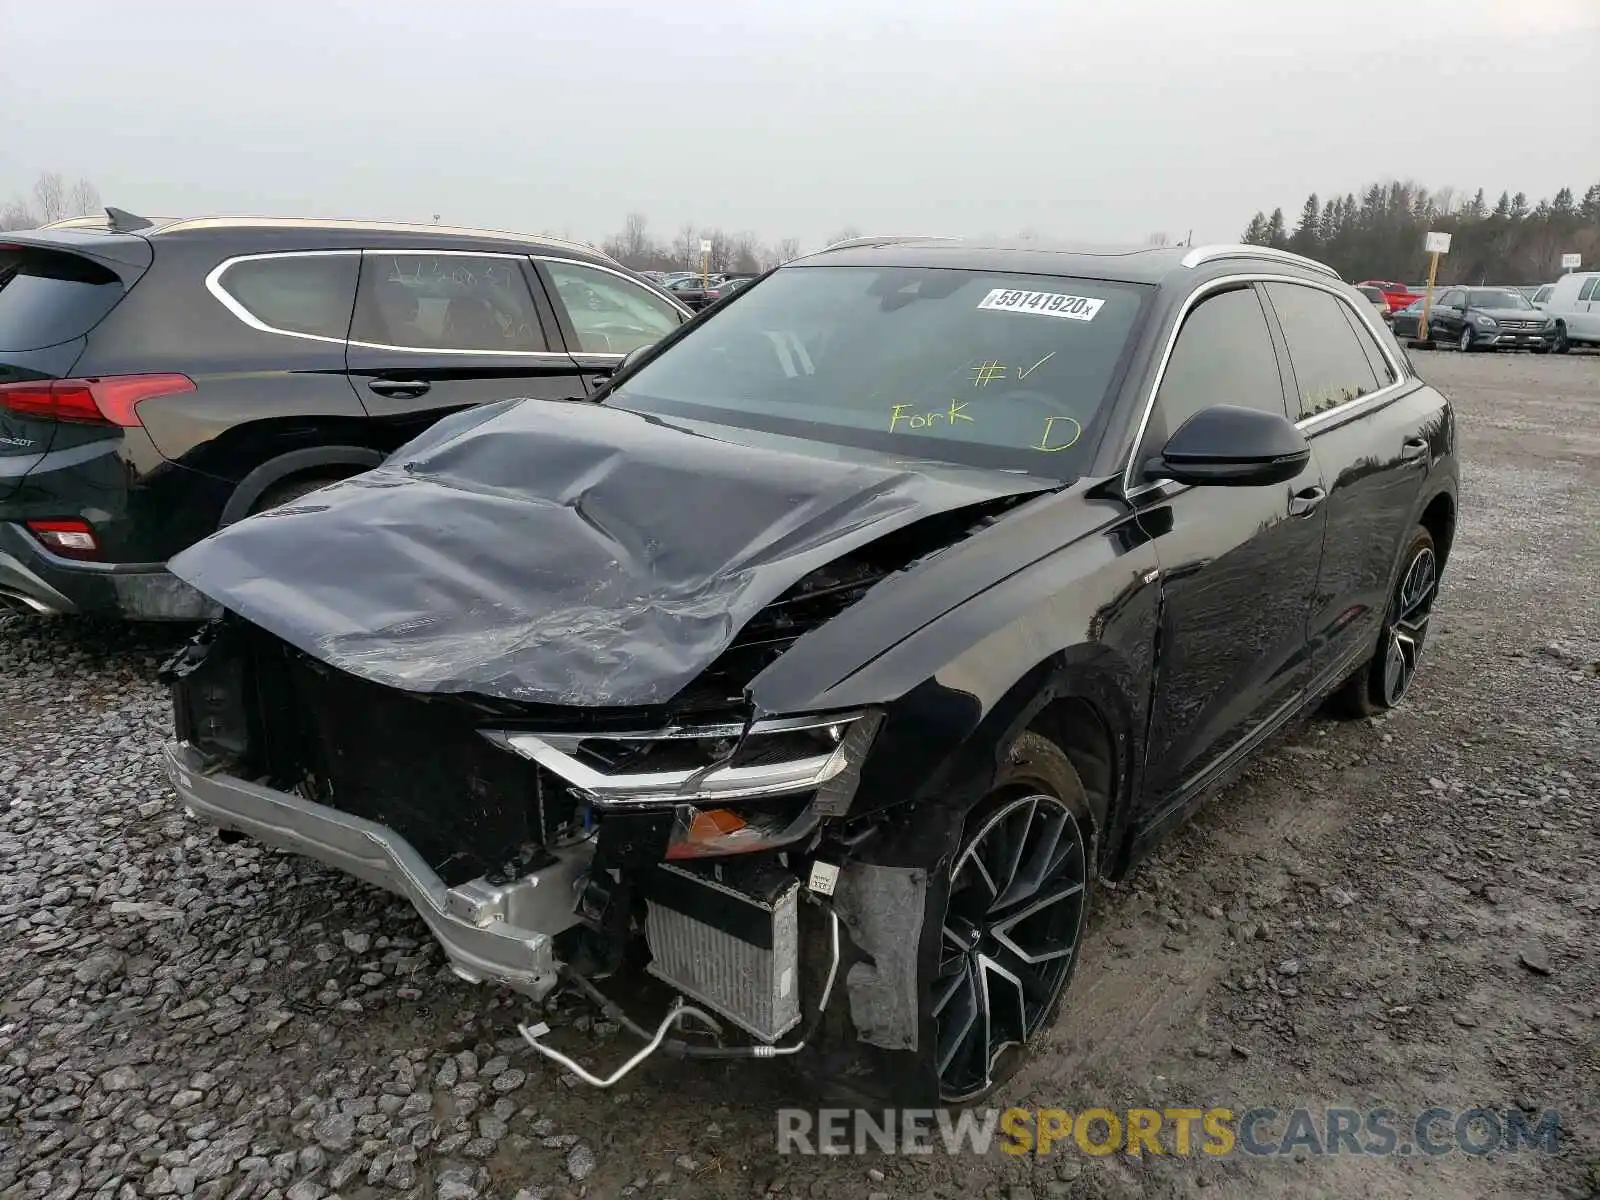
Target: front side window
point(610, 314)
point(295, 293)
point(445, 302)
point(1223, 355)
point(965, 366)
point(1330, 367)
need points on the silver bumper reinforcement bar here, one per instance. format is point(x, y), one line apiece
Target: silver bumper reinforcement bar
point(489, 931)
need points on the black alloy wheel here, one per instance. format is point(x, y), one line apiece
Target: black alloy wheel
point(1018, 896)
point(1561, 345)
point(1387, 677)
point(1408, 624)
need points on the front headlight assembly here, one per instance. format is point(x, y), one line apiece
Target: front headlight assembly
point(1484, 322)
point(733, 788)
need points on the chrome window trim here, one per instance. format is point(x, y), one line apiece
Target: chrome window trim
point(1402, 377)
point(240, 312)
point(227, 300)
point(659, 293)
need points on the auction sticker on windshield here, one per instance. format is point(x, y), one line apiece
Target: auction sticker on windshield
point(1046, 304)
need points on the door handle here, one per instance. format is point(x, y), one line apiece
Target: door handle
point(1306, 501)
point(1413, 448)
point(404, 388)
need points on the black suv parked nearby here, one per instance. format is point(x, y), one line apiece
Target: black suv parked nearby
point(159, 379)
point(828, 663)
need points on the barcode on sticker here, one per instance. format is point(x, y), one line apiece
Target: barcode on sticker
point(824, 878)
point(1046, 304)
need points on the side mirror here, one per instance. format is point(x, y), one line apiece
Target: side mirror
point(631, 359)
point(1233, 447)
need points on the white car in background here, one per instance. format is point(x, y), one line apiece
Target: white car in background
point(1540, 295)
point(1574, 301)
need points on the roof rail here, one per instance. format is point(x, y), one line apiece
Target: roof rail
point(252, 222)
point(1204, 254)
point(87, 222)
point(885, 239)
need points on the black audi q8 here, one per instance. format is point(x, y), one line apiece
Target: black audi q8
point(825, 664)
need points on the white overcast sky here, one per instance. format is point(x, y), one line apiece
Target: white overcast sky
point(1101, 120)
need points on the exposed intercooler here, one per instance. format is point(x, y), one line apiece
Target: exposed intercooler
point(731, 943)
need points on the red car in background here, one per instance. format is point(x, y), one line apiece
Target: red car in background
point(1397, 294)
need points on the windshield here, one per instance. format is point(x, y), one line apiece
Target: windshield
point(1497, 298)
point(986, 369)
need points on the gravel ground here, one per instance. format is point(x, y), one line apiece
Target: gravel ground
point(1399, 912)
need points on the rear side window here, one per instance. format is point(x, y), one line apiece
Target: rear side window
point(1590, 288)
point(1369, 345)
point(1330, 367)
point(47, 297)
point(292, 293)
point(446, 302)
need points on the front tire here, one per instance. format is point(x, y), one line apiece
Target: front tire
point(1387, 677)
point(1020, 885)
point(1464, 342)
point(1561, 345)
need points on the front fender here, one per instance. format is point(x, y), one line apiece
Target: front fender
point(1078, 622)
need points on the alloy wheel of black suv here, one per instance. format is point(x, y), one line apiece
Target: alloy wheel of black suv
point(1019, 892)
point(1384, 682)
point(161, 378)
point(827, 665)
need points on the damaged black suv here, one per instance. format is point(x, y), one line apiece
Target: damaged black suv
point(824, 665)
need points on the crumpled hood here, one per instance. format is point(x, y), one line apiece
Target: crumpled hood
point(558, 553)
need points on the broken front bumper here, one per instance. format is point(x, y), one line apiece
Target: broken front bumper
point(500, 932)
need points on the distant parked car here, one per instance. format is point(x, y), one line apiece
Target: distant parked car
point(255, 361)
point(697, 297)
point(1406, 322)
point(1397, 294)
point(728, 287)
point(1574, 308)
point(1489, 319)
point(1541, 296)
point(1376, 298)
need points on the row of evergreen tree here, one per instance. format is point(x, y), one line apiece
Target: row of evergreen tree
point(1380, 236)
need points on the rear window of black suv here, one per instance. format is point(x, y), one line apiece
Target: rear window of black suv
point(48, 297)
point(974, 367)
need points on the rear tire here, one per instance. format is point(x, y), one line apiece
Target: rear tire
point(291, 490)
point(1386, 678)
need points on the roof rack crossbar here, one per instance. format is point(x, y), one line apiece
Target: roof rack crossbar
point(1204, 254)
